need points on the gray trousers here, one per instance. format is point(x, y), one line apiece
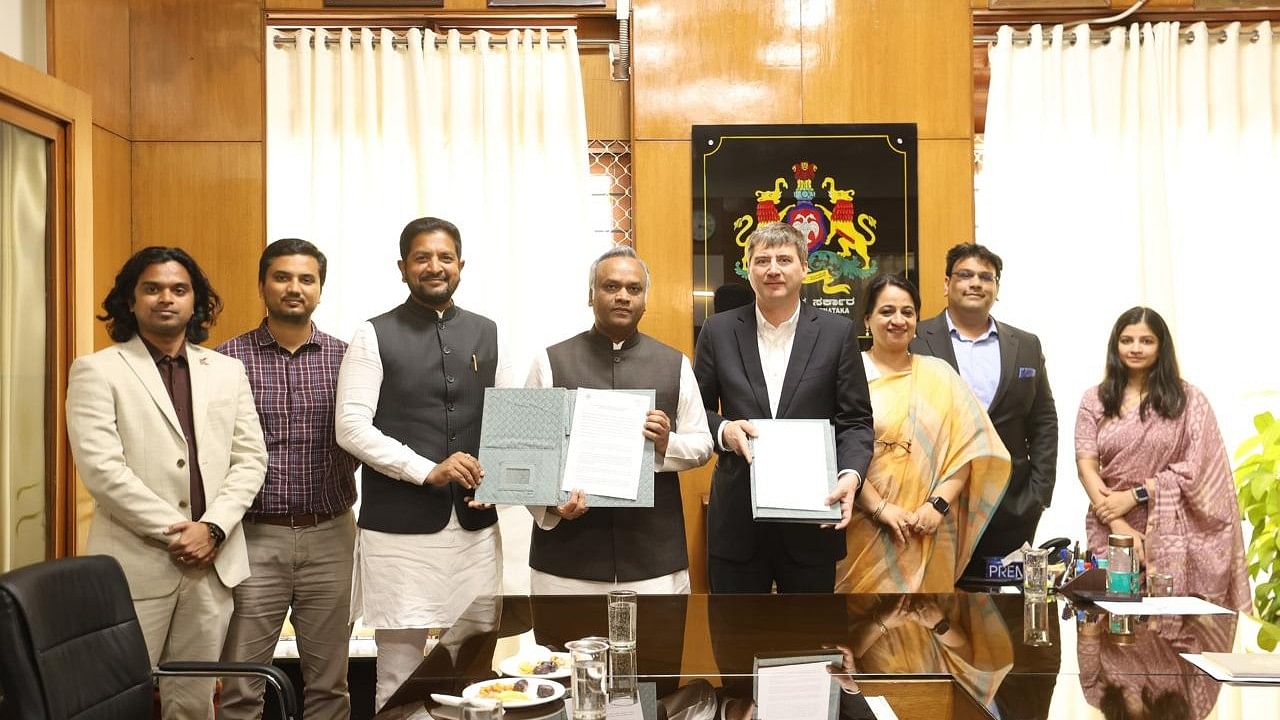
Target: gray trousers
point(308, 571)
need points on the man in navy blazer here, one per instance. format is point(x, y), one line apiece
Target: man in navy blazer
point(1005, 369)
point(778, 358)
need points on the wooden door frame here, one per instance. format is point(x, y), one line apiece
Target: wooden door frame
point(71, 261)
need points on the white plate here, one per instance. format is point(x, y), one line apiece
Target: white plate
point(511, 666)
point(473, 690)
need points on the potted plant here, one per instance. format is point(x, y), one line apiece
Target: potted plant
point(1258, 488)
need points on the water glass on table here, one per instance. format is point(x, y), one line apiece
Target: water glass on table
point(622, 619)
point(589, 658)
point(1159, 584)
point(1035, 573)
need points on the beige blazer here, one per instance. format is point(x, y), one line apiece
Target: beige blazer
point(132, 456)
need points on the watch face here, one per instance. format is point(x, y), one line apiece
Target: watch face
point(940, 504)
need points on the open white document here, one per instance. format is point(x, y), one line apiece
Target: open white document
point(794, 691)
point(790, 465)
point(1164, 606)
point(606, 443)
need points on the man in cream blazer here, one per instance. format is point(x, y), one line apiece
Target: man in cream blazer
point(166, 438)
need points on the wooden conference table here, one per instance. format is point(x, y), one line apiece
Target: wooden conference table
point(962, 655)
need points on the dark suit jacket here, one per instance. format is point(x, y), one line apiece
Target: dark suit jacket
point(1022, 412)
point(824, 379)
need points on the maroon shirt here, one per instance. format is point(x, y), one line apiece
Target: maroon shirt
point(175, 373)
point(296, 397)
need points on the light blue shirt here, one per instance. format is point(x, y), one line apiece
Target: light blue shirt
point(978, 360)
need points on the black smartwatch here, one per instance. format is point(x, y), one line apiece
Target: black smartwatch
point(942, 627)
point(940, 504)
point(1141, 495)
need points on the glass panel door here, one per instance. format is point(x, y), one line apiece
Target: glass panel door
point(25, 240)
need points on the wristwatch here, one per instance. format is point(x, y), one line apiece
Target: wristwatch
point(942, 627)
point(940, 504)
point(1140, 494)
point(216, 534)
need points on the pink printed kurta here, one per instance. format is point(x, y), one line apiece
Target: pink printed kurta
point(1192, 522)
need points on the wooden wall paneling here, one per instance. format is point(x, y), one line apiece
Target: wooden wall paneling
point(664, 238)
point(196, 68)
point(889, 61)
point(946, 212)
point(1115, 4)
point(89, 48)
point(112, 218)
point(608, 101)
point(207, 198)
point(449, 6)
point(714, 61)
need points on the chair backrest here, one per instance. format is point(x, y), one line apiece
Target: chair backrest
point(72, 646)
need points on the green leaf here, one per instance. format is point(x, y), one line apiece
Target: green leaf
point(1261, 484)
point(1255, 513)
point(1268, 636)
point(1263, 421)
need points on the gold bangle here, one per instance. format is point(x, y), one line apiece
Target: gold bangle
point(876, 514)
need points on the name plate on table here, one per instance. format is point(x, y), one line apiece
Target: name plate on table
point(526, 440)
point(793, 471)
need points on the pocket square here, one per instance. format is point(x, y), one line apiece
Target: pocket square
point(1026, 372)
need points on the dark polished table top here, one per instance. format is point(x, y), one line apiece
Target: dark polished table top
point(938, 654)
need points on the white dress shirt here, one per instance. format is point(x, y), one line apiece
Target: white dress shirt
point(774, 343)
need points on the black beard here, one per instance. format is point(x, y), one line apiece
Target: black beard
point(433, 299)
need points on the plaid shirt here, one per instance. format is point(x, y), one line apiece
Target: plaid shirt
point(295, 393)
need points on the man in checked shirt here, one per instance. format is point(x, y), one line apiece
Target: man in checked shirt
point(300, 529)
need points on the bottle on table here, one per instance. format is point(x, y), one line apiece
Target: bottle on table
point(1122, 565)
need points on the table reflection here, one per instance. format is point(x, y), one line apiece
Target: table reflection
point(699, 654)
point(1134, 672)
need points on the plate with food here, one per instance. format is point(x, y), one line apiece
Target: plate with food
point(516, 693)
point(544, 665)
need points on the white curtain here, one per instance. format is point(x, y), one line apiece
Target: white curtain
point(490, 134)
point(1140, 171)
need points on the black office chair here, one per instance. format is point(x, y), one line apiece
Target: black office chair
point(71, 646)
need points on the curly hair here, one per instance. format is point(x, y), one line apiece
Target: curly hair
point(122, 325)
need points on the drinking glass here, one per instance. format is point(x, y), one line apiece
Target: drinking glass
point(1159, 584)
point(1035, 574)
point(623, 688)
point(1035, 622)
point(622, 619)
point(587, 681)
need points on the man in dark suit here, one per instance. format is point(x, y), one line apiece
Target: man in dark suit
point(1005, 369)
point(778, 358)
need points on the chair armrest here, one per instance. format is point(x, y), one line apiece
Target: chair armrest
point(272, 674)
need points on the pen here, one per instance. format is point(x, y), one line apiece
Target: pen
point(475, 367)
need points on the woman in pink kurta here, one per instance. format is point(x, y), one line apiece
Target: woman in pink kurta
point(1152, 460)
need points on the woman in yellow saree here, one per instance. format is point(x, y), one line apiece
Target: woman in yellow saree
point(938, 472)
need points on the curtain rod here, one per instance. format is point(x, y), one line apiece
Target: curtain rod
point(400, 41)
point(1103, 37)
